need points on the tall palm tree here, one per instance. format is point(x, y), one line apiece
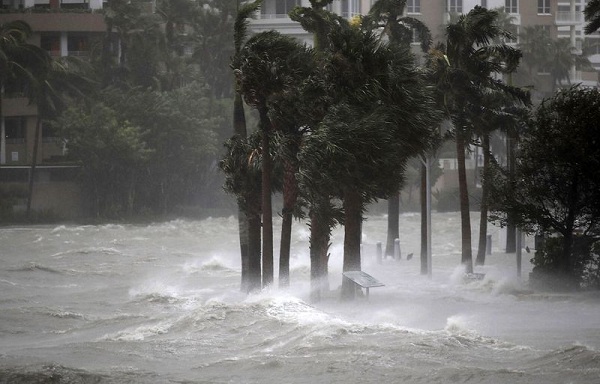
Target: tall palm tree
point(54, 82)
point(563, 57)
point(249, 199)
point(323, 213)
point(465, 71)
point(535, 43)
point(380, 116)
point(592, 16)
point(387, 16)
point(496, 110)
point(291, 124)
point(269, 65)
point(120, 16)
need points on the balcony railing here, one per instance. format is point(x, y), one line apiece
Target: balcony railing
point(273, 16)
point(568, 18)
point(79, 53)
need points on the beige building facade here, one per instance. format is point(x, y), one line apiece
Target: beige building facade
point(63, 28)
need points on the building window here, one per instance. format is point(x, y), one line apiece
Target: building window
point(15, 87)
point(283, 7)
point(350, 8)
point(49, 134)
point(511, 6)
point(413, 6)
point(515, 35)
point(77, 45)
point(50, 42)
point(543, 7)
point(455, 6)
point(416, 38)
point(14, 130)
point(74, 4)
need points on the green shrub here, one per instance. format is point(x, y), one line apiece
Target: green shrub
point(585, 259)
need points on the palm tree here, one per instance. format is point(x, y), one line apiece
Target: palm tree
point(592, 16)
point(291, 124)
point(120, 16)
point(17, 57)
point(534, 42)
point(381, 115)
point(387, 16)
point(465, 71)
point(496, 110)
point(53, 83)
point(242, 169)
point(248, 198)
point(269, 65)
point(561, 60)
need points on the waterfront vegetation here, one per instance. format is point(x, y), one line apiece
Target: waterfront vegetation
point(334, 127)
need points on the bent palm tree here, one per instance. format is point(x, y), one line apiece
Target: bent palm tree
point(248, 198)
point(471, 60)
point(496, 110)
point(268, 66)
point(380, 116)
point(387, 16)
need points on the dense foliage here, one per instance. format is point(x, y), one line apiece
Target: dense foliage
point(557, 185)
point(145, 151)
point(158, 113)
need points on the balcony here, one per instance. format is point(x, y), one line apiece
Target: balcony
point(568, 18)
point(277, 21)
point(59, 21)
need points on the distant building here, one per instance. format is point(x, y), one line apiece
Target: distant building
point(63, 28)
point(561, 18)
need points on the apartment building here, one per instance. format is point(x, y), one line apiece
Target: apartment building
point(561, 18)
point(63, 28)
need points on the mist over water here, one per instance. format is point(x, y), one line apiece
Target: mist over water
point(160, 303)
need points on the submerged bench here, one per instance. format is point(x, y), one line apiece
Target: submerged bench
point(363, 280)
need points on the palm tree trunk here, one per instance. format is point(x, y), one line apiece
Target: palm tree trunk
point(465, 218)
point(567, 262)
point(319, 245)
point(254, 236)
point(243, 229)
point(267, 209)
point(105, 58)
point(239, 127)
point(480, 260)
point(36, 144)
point(423, 194)
point(393, 230)
point(352, 235)
point(511, 229)
point(290, 195)
point(3, 148)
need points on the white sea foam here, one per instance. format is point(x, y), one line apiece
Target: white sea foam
point(168, 302)
point(139, 333)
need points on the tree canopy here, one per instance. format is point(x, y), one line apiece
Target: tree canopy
point(557, 184)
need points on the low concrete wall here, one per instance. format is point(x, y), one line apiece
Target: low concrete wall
point(62, 198)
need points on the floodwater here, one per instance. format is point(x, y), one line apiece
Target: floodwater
point(160, 303)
